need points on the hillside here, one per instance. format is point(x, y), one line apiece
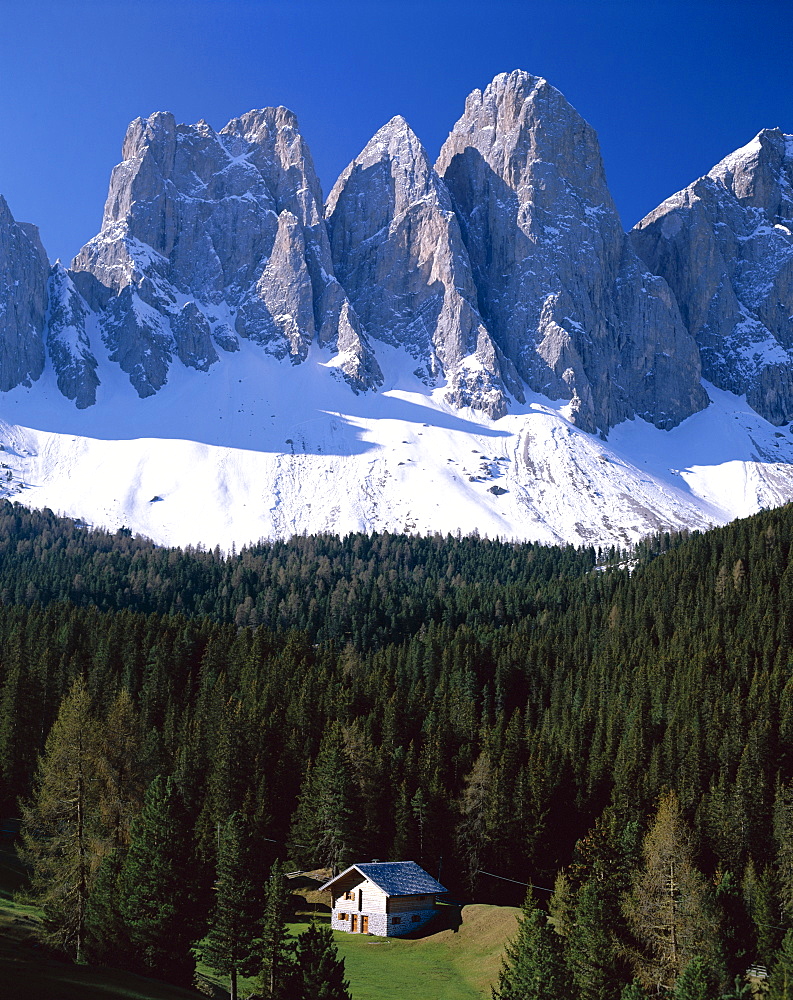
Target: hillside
point(511, 709)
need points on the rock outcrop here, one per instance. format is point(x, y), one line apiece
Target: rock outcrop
point(725, 246)
point(398, 252)
point(502, 266)
point(563, 295)
point(68, 341)
point(24, 271)
point(208, 237)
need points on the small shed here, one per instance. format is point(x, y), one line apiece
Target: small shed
point(388, 898)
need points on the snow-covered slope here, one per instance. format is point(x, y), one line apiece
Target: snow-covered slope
point(256, 448)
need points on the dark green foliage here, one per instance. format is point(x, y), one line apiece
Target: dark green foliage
point(107, 941)
point(697, 982)
point(472, 703)
point(324, 828)
point(533, 968)
point(320, 971)
point(278, 973)
point(231, 944)
point(780, 982)
point(158, 898)
point(592, 953)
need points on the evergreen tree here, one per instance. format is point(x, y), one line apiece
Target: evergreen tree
point(533, 968)
point(780, 981)
point(277, 951)
point(696, 982)
point(107, 941)
point(231, 944)
point(320, 971)
point(157, 886)
point(60, 828)
point(592, 949)
point(325, 817)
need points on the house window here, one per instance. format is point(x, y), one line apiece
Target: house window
point(350, 894)
point(342, 916)
point(415, 918)
point(396, 920)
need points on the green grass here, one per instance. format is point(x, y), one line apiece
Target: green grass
point(457, 964)
point(450, 964)
point(29, 971)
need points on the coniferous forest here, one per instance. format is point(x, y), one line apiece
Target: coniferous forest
point(614, 728)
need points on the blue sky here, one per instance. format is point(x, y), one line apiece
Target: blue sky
point(670, 86)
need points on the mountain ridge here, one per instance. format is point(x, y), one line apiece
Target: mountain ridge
point(492, 296)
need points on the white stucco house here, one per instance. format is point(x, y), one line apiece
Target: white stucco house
point(388, 898)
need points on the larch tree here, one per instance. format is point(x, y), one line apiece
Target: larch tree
point(61, 832)
point(667, 907)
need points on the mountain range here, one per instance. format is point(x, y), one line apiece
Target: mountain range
point(474, 344)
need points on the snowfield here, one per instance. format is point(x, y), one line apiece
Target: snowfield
point(255, 448)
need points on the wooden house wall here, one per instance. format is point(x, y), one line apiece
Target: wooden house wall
point(409, 904)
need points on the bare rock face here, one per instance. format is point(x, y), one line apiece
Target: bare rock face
point(208, 237)
point(398, 252)
point(725, 246)
point(68, 340)
point(24, 270)
point(560, 290)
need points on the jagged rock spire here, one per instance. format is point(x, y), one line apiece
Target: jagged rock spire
point(725, 246)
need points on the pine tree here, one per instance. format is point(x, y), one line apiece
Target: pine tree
point(592, 950)
point(533, 968)
point(107, 941)
point(320, 971)
point(277, 951)
point(780, 982)
point(231, 944)
point(696, 982)
point(157, 886)
point(60, 826)
point(325, 816)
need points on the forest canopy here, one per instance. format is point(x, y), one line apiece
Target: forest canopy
point(478, 706)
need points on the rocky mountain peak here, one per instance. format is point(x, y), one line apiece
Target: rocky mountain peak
point(559, 289)
point(24, 270)
point(725, 246)
point(760, 174)
point(398, 252)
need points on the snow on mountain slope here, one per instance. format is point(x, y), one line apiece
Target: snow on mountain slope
point(255, 449)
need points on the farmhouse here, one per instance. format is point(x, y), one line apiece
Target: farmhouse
point(388, 898)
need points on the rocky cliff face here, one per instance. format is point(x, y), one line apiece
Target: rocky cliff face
point(502, 266)
point(208, 237)
point(725, 246)
point(398, 252)
point(24, 271)
point(562, 293)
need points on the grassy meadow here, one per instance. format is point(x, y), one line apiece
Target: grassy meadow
point(458, 961)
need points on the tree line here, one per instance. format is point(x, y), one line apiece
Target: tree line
point(475, 705)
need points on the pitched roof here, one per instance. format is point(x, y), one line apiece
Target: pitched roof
point(395, 878)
